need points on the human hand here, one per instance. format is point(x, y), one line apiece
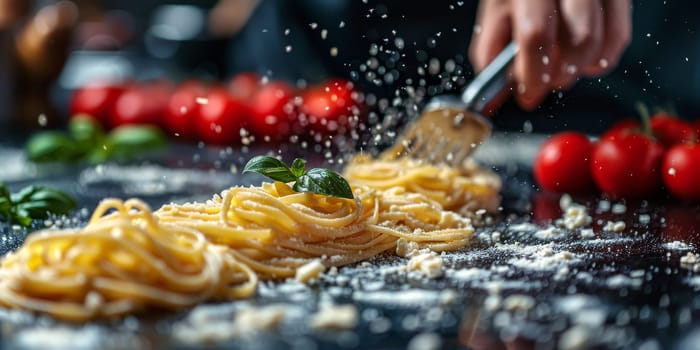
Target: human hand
point(559, 41)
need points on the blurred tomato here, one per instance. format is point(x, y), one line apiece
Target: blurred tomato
point(95, 100)
point(562, 163)
point(221, 117)
point(622, 128)
point(141, 104)
point(332, 107)
point(272, 111)
point(670, 131)
point(183, 108)
point(627, 166)
point(244, 85)
point(681, 171)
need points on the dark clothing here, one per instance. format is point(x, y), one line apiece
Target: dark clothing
point(284, 39)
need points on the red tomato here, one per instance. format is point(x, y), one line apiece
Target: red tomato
point(332, 106)
point(244, 85)
point(628, 166)
point(272, 111)
point(670, 130)
point(141, 104)
point(221, 118)
point(622, 128)
point(681, 171)
point(562, 164)
point(95, 100)
point(182, 109)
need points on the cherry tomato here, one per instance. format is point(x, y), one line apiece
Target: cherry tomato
point(182, 109)
point(681, 171)
point(221, 117)
point(670, 130)
point(627, 166)
point(272, 111)
point(562, 164)
point(244, 85)
point(95, 100)
point(622, 128)
point(141, 104)
point(332, 107)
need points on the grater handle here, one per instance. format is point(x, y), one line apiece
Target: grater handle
point(491, 82)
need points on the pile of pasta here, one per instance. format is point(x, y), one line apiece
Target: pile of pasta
point(129, 259)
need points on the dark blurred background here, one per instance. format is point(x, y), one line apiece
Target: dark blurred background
point(390, 48)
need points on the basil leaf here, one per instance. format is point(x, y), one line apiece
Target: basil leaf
point(36, 210)
point(99, 154)
point(4, 191)
point(5, 201)
point(24, 194)
point(298, 167)
point(86, 132)
point(271, 167)
point(22, 220)
point(129, 140)
point(56, 202)
point(323, 181)
point(51, 146)
point(5, 206)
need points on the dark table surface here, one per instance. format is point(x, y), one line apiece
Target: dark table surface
point(521, 288)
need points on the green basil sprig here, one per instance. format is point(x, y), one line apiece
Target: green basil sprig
point(33, 202)
point(316, 180)
point(87, 141)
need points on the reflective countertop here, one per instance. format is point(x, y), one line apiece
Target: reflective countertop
point(524, 283)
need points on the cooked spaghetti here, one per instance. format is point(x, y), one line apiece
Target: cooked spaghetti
point(463, 190)
point(128, 258)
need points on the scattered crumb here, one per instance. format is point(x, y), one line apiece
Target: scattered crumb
point(260, 318)
point(562, 273)
point(548, 233)
point(334, 317)
point(309, 271)
point(207, 323)
point(587, 233)
point(576, 337)
point(428, 263)
point(518, 302)
point(425, 341)
point(644, 218)
point(575, 216)
point(469, 274)
point(620, 281)
point(619, 208)
point(689, 259)
point(405, 248)
point(677, 245)
point(565, 201)
point(616, 226)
